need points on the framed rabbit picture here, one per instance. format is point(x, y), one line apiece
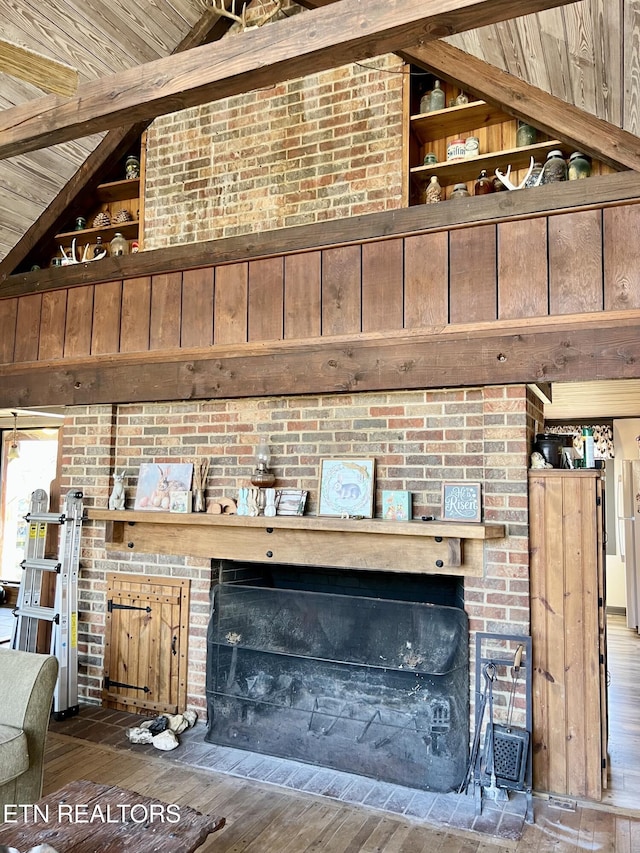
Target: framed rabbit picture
point(158, 482)
point(347, 488)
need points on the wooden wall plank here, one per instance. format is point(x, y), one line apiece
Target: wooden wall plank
point(230, 305)
point(341, 290)
point(166, 309)
point(302, 295)
point(472, 274)
point(8, 314)
point(135, 323)
point(107, 308)
point(197, 308)
point(52, 326)
point(575, 263)
point(426, 280)
point(77, 335)
point(28, 327)
point(621, 257)
point(382, 285)
point(266, 300)
point(522, 287)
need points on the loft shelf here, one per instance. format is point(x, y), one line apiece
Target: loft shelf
point(453, 120)
point(119, 190)
point(127, 229)
point(459, 171)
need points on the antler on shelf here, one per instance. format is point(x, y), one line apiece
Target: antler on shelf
point(220, 6)
point(511, 186)
point(72, 257)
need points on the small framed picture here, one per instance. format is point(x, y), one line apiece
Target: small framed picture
point(156, 484)
point(396, 506)
point(180, 501)
point(461, 502)
point(290, 501)
point(346, 487)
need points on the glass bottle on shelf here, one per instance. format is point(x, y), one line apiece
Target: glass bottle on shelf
point(526, 134)
point(460, 191)
point(433, 193)
point(579, 166)
point(425, 102)
point(555, 168)
point(484, 184)
point(99, 249)
point(462, 98)
point(119, 246)
point(532, 180)
point(132, 167)
point(437, 100)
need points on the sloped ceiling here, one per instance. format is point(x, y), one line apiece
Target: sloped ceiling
point(584, 53)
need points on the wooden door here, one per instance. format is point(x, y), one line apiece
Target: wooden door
point(568, 632)
point(146, 645)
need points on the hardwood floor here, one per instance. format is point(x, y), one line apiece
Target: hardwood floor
point(263, 818)
point(623, 652)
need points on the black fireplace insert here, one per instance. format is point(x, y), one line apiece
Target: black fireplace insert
point(372, 686)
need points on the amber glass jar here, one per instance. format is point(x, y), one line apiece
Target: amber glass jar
point(484, 184)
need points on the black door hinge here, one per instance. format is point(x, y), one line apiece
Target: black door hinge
point(108, 683)
point(111, 606)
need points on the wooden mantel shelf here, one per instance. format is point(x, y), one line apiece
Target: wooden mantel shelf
point(425, 547)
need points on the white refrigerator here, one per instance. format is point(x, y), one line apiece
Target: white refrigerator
point(628, 509)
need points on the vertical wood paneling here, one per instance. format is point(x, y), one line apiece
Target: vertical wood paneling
point(302, 288)
point(472, 274)
point(630, 65)
point(341, 290)
point(266, 300)
point(231, 300)
point(197, 308)
point(8, 314)
point(382, 286)
point(621, 257)
point(426, 280)
point(522, 287)
point(107, 307)
point(28, 327)
point(575, 262)
point(166, 309)
point(77, 336)
point(136, 315)
point(52, 325)
point(568, 684)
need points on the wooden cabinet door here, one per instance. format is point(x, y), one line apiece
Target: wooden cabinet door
point(568, 632)
point(146, 643)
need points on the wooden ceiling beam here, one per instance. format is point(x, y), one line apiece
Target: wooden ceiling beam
point(283, 50)
point(210, 27)
point(553, 116)
point(570, 348)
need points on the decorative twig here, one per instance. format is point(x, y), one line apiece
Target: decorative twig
point(200, 471)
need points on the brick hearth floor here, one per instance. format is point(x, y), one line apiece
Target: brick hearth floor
point(500, 820)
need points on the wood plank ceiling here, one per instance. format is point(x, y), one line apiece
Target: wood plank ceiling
point(581, 52)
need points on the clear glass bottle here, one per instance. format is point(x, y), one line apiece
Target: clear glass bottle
point(437, 101)
point(132, 167)
point(579, 166)
point(99, 249)
point(532, 180)
point(526, 134)
point(119, 246)
point(462, 98)
point(460, 191)
point(555, 168)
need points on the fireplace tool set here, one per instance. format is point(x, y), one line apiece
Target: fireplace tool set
point(504, 762)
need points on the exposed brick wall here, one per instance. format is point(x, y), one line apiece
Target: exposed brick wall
point(308, 150)
point(418, 438)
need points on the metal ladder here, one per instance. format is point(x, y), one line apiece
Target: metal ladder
point(63, 616)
